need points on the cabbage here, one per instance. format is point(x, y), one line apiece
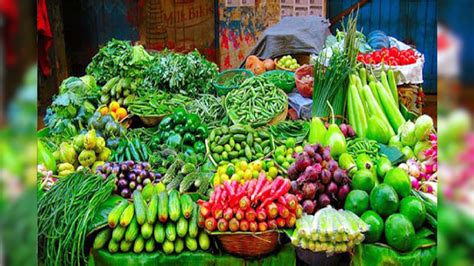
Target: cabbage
point(407, 134)
point(89, 82)
point(423, 126)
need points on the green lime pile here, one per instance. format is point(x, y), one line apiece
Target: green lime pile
point(283, 154)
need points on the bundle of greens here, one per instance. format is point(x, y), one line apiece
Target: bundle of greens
point(118, 58)
point(188, 74)
point(72, 107)
point(64, 213)
point(330, 82)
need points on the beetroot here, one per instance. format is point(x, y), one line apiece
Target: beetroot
point(293, 172)
point(338, 176)
point(309, 190)
point(326, 154)
point(309, 206)
point(324, 200)
point(343, 128)
point(325, 176)
point(312, 172)
point(333, 165)
point(294, 187)
point(350, 131)
point(302, 162)
point(342, 193)
point(302, 179)
point(317, 158)
point(332, 188)
point(309, 150)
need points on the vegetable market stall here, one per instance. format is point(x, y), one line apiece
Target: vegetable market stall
point(164, 160)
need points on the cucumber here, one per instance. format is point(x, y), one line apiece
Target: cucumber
point(150, 245)
point(139, 244)
point(160, 187)
point(127, 215)
point(101, 239)
point(170, 231)
point(152, 209)
point(148, 191)
point(178, 245)
point(118, 233)
point(159, 233)
point(163, 206)
point(125, 245)
point(237, 130)
point(114, 215)
point(147, 230)
point(204, 241)
point(168, 247)
point(132, 231)
point(193, 222)
point(140, 207)
point(174, 205)
point(191, 243)
point(113, 246)
point(186, 205)
point(182, 226)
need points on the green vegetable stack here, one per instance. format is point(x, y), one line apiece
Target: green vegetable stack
point(184, 132)
point(329, 230)
point(239, 143)
point(86, 151)
point(121, 90)
point(166, 221)
point(256, 102)
point(156, 102)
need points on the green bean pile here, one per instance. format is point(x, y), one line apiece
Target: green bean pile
point(156, 102)
point(66, 211)
point(358, 146)
point(209, 107)
point(297, 129)
point(256, 102)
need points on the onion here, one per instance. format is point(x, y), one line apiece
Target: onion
point(332, 188)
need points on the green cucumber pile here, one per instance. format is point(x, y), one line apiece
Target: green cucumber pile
point(239, 143)
point(156, 220)
point(256, 102)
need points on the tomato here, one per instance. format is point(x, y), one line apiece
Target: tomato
point(411, 59)
point(377, 58)
point(410, 52)
point(360, 57)
point(394, 52)
point(391, 60)
point(368, 59)
point(403, 60)
point(384, 53)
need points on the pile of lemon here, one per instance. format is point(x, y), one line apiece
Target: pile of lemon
point(243, 171)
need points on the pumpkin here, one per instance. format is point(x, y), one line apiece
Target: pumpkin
point(269, 64)
point(255, 65)
point(249, 63)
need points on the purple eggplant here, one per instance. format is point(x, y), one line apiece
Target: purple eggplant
point(139, 187)
point(125, 193)
point(132, 184)
point(132, 176)
point(146, 181)
point(122, 183)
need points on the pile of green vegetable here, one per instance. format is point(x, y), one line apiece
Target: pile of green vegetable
point(156, 103)
point(158, 220)
point(209, 107)
point(256, 102)
point(119, 59)
point(188, 176)
point(182, 131)
point(121, 90)
point(297, 129)
point(87, 151)
point(65, 212)
point(187, 74)
point(231, 144)
point(72, 107)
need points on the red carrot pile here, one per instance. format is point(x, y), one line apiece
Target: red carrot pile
point(256, 205)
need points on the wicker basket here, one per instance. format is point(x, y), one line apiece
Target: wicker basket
point(249, 245)
point(305, 88)
point(228, 74)
point(300, 58)
point(151, 120)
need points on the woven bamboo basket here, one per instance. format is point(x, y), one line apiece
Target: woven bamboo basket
point(300, 58)
point(151, 120)
point(249, 245)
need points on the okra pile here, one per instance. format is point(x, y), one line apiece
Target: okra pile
point(155, 220)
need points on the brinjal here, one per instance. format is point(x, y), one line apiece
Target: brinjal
point(125, 193)
point(132, 177)
point(122, 183)
point(139, 187)
point(132, 184)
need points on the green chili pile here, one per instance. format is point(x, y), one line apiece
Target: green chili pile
point(256, 102)
point(65, 211)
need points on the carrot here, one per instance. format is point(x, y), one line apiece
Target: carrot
point(276, 184)
point(253, 226)
point(262, 226)
point(250, 215)
point(260, 183)
point(261, 215)
point(273, 224)
point(210, 224)
point(244, 203)
point(282, 200)
point(264, 192)
point(272, 210)
point(239, 214)
point(229, 189)
point(222, 225)
point(281, 222)
point(228, 214)
point(283, 211)
point(244, 225)
point(291, 201)
point(291, 220)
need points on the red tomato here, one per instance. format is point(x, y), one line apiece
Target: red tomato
point(394, 52)
point(411, 59)
point(368, 59)
point(391, 60)
point(377, 58)
point(403, 60)
point(384, 53)
point(410, 52)
point(360, 57)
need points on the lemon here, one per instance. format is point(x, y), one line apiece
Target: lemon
point(280, 159)
point(235, 177)
point(221, 170)
point(299, 149)
point(240, 173)
point(248, 174)
point(273, 172)
point(243, 165)
point(217, 180)
point(255, 173)
point(257, 165)
point(285, 165)
point(224, 178)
